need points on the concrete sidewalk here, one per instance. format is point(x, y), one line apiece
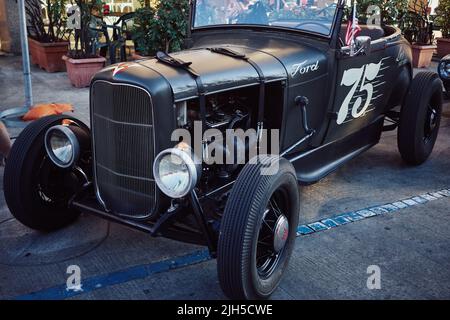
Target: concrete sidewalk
point(410, 246)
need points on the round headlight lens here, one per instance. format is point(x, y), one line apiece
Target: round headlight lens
point(176, 173)
point(62, 146)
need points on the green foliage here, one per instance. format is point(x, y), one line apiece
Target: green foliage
point(56, 23)
point(91, 11)
point(390, 11)
point(415, 23)
point(411, 16)
point(443, 17)
point(162, 27)
point(172, 20)
point(144, 29)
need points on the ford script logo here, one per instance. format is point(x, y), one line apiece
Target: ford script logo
point(304, 68)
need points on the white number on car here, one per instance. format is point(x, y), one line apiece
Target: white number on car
point(358, 77)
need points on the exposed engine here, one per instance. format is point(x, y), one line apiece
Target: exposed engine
point(223, 112)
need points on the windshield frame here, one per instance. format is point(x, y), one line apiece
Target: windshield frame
point(339, 6)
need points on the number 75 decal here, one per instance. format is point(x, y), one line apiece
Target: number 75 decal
point(353, 78)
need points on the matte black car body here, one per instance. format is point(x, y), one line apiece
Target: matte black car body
point(278, 53)
point(328, 103)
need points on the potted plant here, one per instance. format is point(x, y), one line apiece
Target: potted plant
point(417, 29)
point(160, 27)
point(46, 37)
point(144, 31)
point(381, 11)
point(172, 23)
point(443, 19)
point(82, 60)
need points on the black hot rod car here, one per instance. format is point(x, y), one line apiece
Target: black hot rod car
point(291, 70)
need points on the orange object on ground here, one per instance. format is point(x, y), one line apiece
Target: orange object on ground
point(43, 110)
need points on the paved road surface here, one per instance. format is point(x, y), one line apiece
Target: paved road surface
point(410, 245)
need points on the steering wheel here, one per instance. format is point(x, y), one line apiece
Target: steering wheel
point(320, 25)
point(329, 11)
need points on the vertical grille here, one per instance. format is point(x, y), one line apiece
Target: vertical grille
point(122, 127)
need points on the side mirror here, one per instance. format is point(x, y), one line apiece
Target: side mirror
point(363, 44)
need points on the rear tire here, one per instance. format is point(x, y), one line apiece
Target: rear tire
point(255, 242)
point(420, 118)
point(36, 191)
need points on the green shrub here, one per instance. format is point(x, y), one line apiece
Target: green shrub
point(415, 23)
point(443, 17)
point(162, 27)
point(390, 11)
point(57, 20)
point(91, 16)
point(144, 30)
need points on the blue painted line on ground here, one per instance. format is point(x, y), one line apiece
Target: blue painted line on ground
point(350, 217)
point(390, 207)
point(341, 220)
point(318, 226)
point(134, 273)
point(143, 271)
point(329, 223)
point(366, 213)
point(303, 230)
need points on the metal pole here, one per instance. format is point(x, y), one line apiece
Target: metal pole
point(25, 55)
point(12, 117)
point(352, 45)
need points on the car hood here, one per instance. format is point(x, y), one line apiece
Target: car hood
point(218, 72)
point(277, 59)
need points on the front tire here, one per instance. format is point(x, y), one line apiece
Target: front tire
point(420, 118)
point(36, 191)
point(258, 230)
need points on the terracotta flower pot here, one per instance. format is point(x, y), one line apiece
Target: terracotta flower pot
point(81, 71)
point(33, 52)
point(422, 55)
point(48, 55)
point(443, 47)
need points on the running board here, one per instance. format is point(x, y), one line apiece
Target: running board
point(314, 165)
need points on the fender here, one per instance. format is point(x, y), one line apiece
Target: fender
point(400, 87)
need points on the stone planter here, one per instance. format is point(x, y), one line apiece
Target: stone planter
point(422, 55)
point(48, 55)
point(81, 71)
point(443, 47)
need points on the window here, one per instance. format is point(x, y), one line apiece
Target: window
point(308, 15)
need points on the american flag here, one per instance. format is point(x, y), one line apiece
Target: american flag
point(353, 28)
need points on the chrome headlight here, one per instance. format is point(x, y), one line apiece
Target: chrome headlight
point(62, 146)
point(177, 171)
point(444, 70)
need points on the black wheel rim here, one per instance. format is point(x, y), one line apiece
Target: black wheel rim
point(267, 258)
point(431, 123)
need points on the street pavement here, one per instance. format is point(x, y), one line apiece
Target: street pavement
point(410, 246)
